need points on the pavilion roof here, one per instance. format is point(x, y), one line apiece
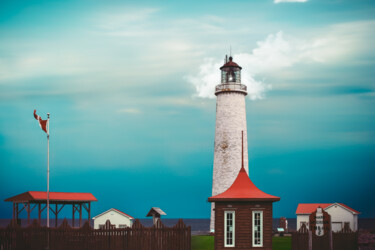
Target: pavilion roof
point(34, 196)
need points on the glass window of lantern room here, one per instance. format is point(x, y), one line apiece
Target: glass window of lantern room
point(257, 228)
point(237, 75)
point(229, 228)
point(230, 76)
point(223, 76)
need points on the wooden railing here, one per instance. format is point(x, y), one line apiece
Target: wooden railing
point(137, 237)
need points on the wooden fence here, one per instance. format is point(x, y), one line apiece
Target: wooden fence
point(343, 240)
point(138, 237)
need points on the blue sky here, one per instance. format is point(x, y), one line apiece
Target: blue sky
point(129, 86)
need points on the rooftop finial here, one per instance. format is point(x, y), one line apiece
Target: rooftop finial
point(230, 50)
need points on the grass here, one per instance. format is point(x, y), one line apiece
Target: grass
point(282, 243)
point(207, 243)
point(200, 242)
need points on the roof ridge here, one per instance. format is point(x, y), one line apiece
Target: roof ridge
point(308, 208)
point(113, 209)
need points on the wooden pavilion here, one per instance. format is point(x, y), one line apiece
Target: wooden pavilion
point(29, 200)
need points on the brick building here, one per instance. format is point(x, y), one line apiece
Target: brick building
point(243, 215)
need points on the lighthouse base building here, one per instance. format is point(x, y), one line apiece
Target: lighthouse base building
point(243, 216)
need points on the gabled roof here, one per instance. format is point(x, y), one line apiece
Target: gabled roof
point(115, 210)
point(349, 208)
point(155, 210)
point(308, 208)
point(31, 196)
point(243, 189)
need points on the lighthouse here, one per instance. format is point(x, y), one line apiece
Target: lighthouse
point(230, 121)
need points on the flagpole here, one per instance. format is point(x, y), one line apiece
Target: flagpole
point(47, 170)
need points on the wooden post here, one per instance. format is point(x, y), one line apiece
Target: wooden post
point(89, 212)
point(80, 214)
point(39, 214)
point(14, 212)
point(310, 240)
point(17, 213)
point(73, 215)
point(56, 213)
point(330, 239)
point(28, 213)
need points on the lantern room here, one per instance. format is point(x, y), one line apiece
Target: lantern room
point(230, 72)
point(230, 78)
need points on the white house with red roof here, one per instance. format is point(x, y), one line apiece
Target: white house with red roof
point(115, 216)
point(340, 213)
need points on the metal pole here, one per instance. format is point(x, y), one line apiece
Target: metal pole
point(48, 171)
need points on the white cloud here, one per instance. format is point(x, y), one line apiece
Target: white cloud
point(278, 52)
point(272, 54)
point(289, 1)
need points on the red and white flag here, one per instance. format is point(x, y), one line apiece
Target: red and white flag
point(42, 123)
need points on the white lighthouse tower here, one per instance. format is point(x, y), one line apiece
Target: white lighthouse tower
point(230, 121)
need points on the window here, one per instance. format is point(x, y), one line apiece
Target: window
point(101, 226)
point(122, 226)
point(257, 228)
point(229, 223)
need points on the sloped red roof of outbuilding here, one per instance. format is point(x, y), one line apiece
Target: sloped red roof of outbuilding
point(243, 189)
point(53, 196)
point(113, 209)
point(308, 208)
point(230, 63)
point(123, 213)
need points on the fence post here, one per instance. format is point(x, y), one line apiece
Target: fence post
point(330, 240)
point(310, 240)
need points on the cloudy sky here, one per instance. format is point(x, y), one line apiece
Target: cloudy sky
point(129, 86)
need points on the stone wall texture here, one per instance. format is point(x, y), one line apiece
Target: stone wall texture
point(230, 121)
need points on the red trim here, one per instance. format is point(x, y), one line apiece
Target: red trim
point(123, 213)
point(243, 189)
point(53, 196)
point(351, 209)
point(308, 208)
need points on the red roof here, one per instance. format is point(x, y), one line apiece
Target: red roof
point(114, 209)
point(230, 64)
point(308, 208)
point(243, 189)
point(123, 213)
point(53, 196)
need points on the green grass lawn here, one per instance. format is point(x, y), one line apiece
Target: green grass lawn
point(282, 243)
point(202, 242)
point(207, 243)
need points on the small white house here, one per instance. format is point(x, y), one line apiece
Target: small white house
point(340, 215)
point(115, 216)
